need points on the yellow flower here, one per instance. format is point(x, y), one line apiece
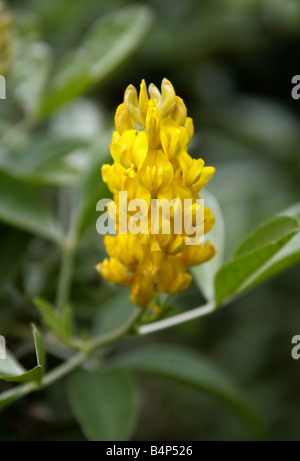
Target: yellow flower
point(6, 19)
point(149, 150)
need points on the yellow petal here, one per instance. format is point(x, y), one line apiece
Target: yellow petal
point(123, 121)
point(143, 101)
point(174, 139)
point(179, 112)
point(168, 98)
point(142, 291)
point(114, 271)
point(194, 255)
point(112, 175)
point(131, 102)
point(153, 125)
point(206, 173)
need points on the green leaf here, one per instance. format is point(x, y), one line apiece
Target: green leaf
point(108, 43)
point(11, 370)
point(35, 374)
point(270, 231)
point(21, 206)
point(30, 71)
point(190, 368)
point(39, 348)
point(10, 366)
point(114, 313)
point(61, 325)
point(204, 274)
point(288, 256)
point(92, 187)
point(104, 404)
point(47, 161)
point(258, 248)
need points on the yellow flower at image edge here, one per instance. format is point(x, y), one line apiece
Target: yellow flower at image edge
point(149, 149)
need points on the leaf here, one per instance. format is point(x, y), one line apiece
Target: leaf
point(80, 119)
point(35, 374)
point(190, 368)
point(92, 187)
point(258, 248)
point(22, 207)
point(104, 404)
point(39, 348)
point(60, 325)
point(288, 256)
point(11, 370)
point(10, 366)
point(114, 313)
point(270, 231)
point(204, 274)
point(30, 71)
point(108, 43)
point(47, 161)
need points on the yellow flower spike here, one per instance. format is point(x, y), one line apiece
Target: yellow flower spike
point(153, 125)
point(150, 161)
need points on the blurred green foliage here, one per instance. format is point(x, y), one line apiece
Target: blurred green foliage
point(232, 62)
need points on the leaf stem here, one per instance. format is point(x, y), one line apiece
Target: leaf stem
point(66, 367)
point(88, 348)
point(71, 364)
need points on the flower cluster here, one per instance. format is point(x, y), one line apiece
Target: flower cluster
point(149, 149)
point(6, 19)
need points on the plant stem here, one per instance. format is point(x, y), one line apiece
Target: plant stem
point(80, 357)
point(72, 363)
point(176, 319)
point(66, 367)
